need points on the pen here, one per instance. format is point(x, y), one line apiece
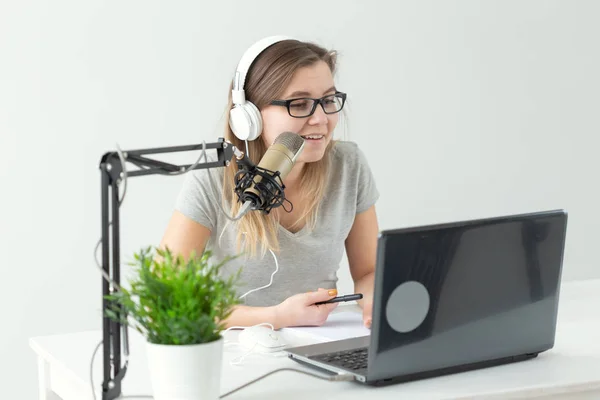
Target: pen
point(349, 297)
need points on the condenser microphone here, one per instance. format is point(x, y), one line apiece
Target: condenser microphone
point(263, 189)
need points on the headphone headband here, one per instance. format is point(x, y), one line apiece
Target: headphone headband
point(246, 61)
point(244, 118)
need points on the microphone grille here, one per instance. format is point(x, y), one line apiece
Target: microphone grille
point(292, 141)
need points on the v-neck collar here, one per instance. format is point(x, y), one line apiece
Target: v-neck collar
point(298, 234)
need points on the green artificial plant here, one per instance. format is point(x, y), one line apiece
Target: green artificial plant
point(173, 300)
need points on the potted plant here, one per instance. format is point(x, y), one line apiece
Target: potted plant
point(179, 306)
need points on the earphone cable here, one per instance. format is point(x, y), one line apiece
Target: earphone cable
point(332, 378)
point(270, 282)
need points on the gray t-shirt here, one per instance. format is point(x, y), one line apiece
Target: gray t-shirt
point(308, 259)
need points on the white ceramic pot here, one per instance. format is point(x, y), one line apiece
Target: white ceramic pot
point(188, 372)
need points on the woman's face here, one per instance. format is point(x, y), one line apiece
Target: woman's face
point(314, 81)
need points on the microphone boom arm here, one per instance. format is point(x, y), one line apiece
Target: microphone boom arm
point(112, 174)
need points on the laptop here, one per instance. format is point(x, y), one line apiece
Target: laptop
point(455, 297)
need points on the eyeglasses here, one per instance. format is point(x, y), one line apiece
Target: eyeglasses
point(305, 107)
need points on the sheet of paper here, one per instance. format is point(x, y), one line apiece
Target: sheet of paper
point(340, 325)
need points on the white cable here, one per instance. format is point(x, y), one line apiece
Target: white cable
point(270, 282)
point(222, 232)
point(241, 212)
point(247, 149)
point(212, 183)
point(92, 369)
point(338, 378)
point(124, 172)
point(238, 360)
point(102, 271)
point(246, 327)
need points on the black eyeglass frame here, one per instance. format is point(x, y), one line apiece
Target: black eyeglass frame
point(316, 102)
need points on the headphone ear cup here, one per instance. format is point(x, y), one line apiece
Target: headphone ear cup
point(255, 117)
point(239, 122)
point(245, 121)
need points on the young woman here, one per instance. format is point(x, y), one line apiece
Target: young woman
point(333, 192)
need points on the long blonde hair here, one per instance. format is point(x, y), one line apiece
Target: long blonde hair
point(266, 80)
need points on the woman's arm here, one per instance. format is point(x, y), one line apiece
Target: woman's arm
point(183, 235)
point(361, 249)
point(247, 316)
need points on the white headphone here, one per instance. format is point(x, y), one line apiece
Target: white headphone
point(244, 118)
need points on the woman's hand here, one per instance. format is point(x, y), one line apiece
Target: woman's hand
point(367, 307)
point(365, 286)
point(300, 309)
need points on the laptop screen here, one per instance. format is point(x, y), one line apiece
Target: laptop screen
point(465, 292)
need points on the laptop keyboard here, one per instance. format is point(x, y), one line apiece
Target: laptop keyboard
point(353, 360)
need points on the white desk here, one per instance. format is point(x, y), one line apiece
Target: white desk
point(571, 370)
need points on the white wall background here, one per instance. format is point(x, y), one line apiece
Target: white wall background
point(464, 108)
